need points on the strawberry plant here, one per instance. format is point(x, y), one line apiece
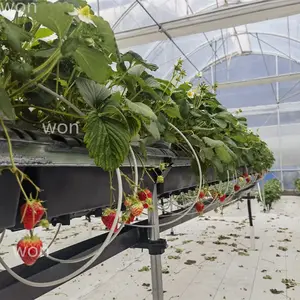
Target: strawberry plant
point(272, 190)
point(297, 184)
point(56, 66)
point(60, 63)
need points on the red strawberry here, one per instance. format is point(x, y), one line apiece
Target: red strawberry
point(149, 194)
point(148, 203)
point(144, 195)
point(31, 213)
point(222, 198)
point(136, 209)
point(199, 206)
point(248, 179)
point(237, 187)
point(108, 218)
point(128, 202)
point(129, 218)
point(29, 249)
point(201, 195)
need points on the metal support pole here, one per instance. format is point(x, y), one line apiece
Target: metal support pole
point(279, 127)
point(156, 266)
point(252, 237)
point(171, 208)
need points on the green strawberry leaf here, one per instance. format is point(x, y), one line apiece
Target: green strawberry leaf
point(5, 105)
point(13, 34)
point(107, 141)
point(153, 129)
point(141, 109)
point(20, 71)
point(94, 94)
point(54, 16)
point(136, 70)
point(134, 125)
point(172, 111)
point(212, 143)
point(108, 41)
point(223, 154)
point(131, 57)
point(93, 63)
point(209, 153)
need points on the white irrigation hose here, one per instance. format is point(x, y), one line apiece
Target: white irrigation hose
point(80, 259)
point(260, 195)
point(87, 264)
point(227, 183)
point(200, 185)
point(54, 238)
point(136, 171)
point(2, 236)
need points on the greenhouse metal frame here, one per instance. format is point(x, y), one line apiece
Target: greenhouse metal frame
point(218, 39)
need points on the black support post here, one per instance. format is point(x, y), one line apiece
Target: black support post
point(249, 209)
point(252, 235)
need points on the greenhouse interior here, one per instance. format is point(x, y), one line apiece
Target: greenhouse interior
point(149, 149)
point(255, 65)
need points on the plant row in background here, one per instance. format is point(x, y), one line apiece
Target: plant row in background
point(60, 63)
point(273, 192)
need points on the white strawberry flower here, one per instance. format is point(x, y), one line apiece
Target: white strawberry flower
point(83, 14)
point(190, 94)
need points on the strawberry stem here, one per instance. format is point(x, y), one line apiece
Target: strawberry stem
point(14, 168)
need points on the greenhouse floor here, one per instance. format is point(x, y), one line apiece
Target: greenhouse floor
point(208, 258)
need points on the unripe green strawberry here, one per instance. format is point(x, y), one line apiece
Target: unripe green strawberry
point(160, 179)
point(45, 223)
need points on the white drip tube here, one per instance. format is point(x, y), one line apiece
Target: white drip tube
point(80, 259)
point(87, 264)
point(200, 185)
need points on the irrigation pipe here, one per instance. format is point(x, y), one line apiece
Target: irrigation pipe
point(200, 185)
point(87, 264)
point(80, 259)
point(260, 195)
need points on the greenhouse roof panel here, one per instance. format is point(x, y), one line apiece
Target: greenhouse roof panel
point(126, 14)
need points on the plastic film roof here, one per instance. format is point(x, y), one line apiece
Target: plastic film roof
point(256, 66)
point(245, 52)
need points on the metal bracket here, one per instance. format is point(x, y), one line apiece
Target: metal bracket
point(156, 247)
point(248, 197)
